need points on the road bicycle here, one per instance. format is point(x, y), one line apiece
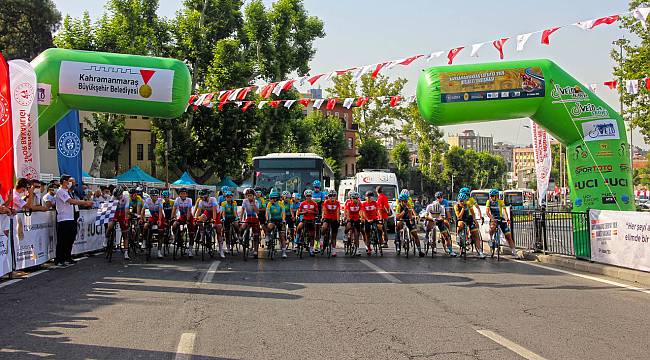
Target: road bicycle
point(374, 239)
point(306, 237)
point(204, 239)
point(462, 241)
point(495, 239)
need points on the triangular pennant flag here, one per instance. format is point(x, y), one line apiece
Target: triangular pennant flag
point(199, 101)
point(244, 92)
point(585, 25)
point(221, 104)
point(266, 90)
point(347, 103)
point(434, 55)
point(278, 88)
point(269, 91)
point(611, 84)
point(521, 41)
point(593, 87)
point(631, 86)
point(225, 95)
point(605, 20)
point(380, 99)
point(452, 54)
point(207, 99)
point(331, 103)
point(238, 103)
point(234, 94)
point(546, 34)
point(192, 99)
point(647, 83)
point(288, 85)
point(247, 104)
point(475, 49)
point(289, 103)
point(274, 103)
point(261, 104)
point(341, 72)
point(411, 99)
point(378, 69)
point(318, 103)
point(360, 72)
point(330, 76)
point(362, 101)
point(405, 61)
point(315, 78)
point(394, 100)
point(641, 14)
point(498, 44)
point(304, 102)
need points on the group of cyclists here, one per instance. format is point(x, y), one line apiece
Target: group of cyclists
point(310, 220)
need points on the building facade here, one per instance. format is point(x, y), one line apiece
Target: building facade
point(523, 166)
point(469, 139)
point(349, 167)
point(505, 151)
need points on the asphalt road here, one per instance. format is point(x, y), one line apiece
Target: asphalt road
point(343, 308)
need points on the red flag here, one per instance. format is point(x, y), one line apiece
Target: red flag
point(247, 105)
point(452, 54)
point(605, 20)
point(362, 100)
point(498, 44)
point(224, 96)
point(207, 99)
point(331, 103)
point(6, 134)
point(378, 69)
point(647, 83)
point(192, 99)
point(546, 34)
point(394, 100)
point(304, 102)
point(341, 72)
point(274, 103)
point(409, 60)
point(315, 78)
point(268, 90)
point(611, 84)
point(288, 85)
point(242, 94)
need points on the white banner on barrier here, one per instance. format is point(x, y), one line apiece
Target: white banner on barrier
point(5, 246)
point(34, 242)
point(620, 238)
point(90, 237)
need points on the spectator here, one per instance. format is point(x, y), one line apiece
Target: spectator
point(66, 224)
point(23, 199)
point(98, 198)
point(48, 198)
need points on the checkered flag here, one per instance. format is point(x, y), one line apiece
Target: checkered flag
point(105, 212)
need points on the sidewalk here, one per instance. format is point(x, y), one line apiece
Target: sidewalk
point(568, 262)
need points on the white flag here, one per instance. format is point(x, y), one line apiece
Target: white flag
point(360, 72)
point(233, 95)
point(411, 99)
point(278, 88)
point(302, 80)
point(330, 76)
point(261, 104)
point(475, 49)
point(436, 54)
point(641, 14)
point(521, 41)
point(347, 103)
point(318, 103)
point(593, 87)
point(24, 108)
point(202, 97)
point(585, 25)
point(289, 103)
point(631, 86)
point(238, 103)
point(542, 156)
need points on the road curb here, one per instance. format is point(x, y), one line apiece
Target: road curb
point(638, 277)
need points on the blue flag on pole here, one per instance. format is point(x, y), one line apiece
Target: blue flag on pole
point(68, 145)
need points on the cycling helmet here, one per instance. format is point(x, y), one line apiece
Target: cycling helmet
point(316, 183)
point(369, 194)
point(274, 195)
point(228, 193)
point(258, 191)
point(494, 192)
point(463, 197)
point(139, 189)
point(308, 193)
point(249, 191)
point(165, 193)
point(224, 189)
point(465, 190)
point(296, 195)
point(204, 192)
point(404, 191)
point(118, 191)
point(286, 194)
point(438, 194)
point(133, 191)
point(181, 190)
point(403, 197)
point(354, 195)
point(331, 193)
point(154, 192)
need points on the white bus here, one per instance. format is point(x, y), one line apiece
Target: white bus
point(520, 199)
point(293, 172)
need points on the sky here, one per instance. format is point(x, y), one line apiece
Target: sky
point(361, 32)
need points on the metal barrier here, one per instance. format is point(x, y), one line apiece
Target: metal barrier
point(557, 232)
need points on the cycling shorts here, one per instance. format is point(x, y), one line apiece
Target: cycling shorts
point(262, 217)
point(441, 225)
point(367, 225)
point(410, 224)
point(120, 217)
point(469, 222)
point(501, 223)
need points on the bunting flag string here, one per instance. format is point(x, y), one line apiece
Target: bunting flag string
point(265, 90)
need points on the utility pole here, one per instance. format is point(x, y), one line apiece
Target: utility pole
point(621, 42)
point(168, 144)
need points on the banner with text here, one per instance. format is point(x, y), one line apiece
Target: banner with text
point(620, 238)
point(34, 241)
point(5, 246)
point(542, 154)
point(25, 119)
point(90, 237)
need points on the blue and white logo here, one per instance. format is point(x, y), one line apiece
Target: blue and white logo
point(69, 144)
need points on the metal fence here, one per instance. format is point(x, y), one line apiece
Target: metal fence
point(558, 232)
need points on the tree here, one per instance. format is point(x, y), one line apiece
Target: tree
point(459, 167)
point(100, 128)
point(372, 155)
point(26, 27)
point(401, 157)
point(327, 139)
point(635, 65)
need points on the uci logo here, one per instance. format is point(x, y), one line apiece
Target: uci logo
point(69, 144)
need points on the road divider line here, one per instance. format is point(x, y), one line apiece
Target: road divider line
point(516, 348)
point(604, 281)
point(7, 283)
point(36, 273)
point(209, 275)
point(381, 272)
point(185, 346)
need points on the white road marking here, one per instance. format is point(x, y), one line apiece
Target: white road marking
point(12, 281)
point(36, 273)
point(381, 272)
point(185, 346)
point(518, 349)
point(207, 278)
point(82, 258)
point(604, 281)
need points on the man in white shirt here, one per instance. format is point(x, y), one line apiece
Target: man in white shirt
point(48, 199)
point(66, 226)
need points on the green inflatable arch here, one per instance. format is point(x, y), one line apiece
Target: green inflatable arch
point(600, 173)
point(108, 83)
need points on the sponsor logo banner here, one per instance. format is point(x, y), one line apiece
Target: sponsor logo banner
point(492, 85)
point(44, 94)
point(34, 241)
point(620, 238)
point(114, 81)
point(600, 130)
point(542, 154)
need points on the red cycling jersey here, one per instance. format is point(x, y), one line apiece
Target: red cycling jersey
point(382, 203)
point(353, 208)
point(331, 209)
point(370, 210)
point(308, 209)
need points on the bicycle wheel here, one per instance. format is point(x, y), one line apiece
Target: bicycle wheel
point(147, 244)
point(406, 241)
point(110, 246)
point(246, 243)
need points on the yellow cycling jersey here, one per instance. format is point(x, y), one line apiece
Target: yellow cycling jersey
point(471, 202)
point(495, 208)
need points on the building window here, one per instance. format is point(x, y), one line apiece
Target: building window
point(350, 143)
point(145, 118)
point(150, 152)
point(346, 170)
point(140, 151)
point(133, 117)
point(51, 138)
point(352, 169)
point(345, 116)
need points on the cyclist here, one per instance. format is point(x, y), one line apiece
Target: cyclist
point(319, 197)
point(436, 214)
point(331, 217)
point(465, 217)
point(229, 216)
point(167, 206)
point(370, 215)
point(405, 216)
point(222, 196)
point(207, 208)
point(295, 205)
point(183, 208)
point(277, 218)
point(499, 217)
point(353, 216)
point(261, 208)
point(471, 202)
point(410, 199)
point(308, 210)
point(135, 208)
point(156, 216)
point(286, 202)
point(384, 212)
point(121, 215)
point(249, 212)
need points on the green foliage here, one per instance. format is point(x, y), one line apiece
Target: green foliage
point(372, 155)
point(478, 170)
point(26, 27)
point(327, 138)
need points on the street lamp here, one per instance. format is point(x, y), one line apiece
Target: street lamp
point(621, 60)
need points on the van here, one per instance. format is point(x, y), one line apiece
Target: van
point(369, 179)
point(345, 187)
